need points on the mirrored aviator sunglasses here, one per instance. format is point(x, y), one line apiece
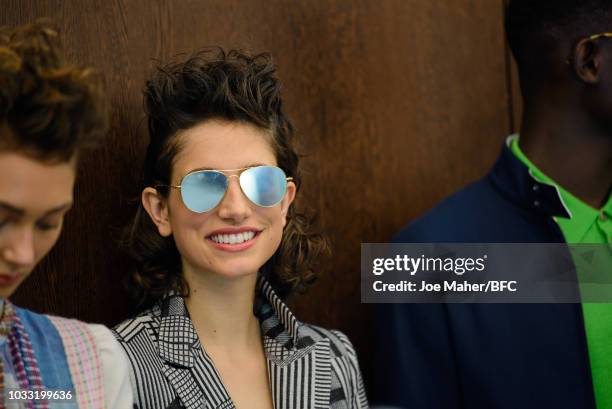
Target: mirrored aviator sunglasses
point(203, 190)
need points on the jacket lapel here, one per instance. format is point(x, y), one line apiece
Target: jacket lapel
point(302, 380)
point(299, 369)
point(177, 340)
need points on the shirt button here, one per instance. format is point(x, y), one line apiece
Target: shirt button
point(536, 188)
point(536, 203)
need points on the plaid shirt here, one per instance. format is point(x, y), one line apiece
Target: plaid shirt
point(24, 369)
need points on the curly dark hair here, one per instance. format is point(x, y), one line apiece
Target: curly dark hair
point(49, 109)
point(231, 86)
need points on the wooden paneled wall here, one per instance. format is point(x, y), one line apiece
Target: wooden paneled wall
point(397, 103)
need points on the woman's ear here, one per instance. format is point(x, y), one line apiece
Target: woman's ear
point(157, 208)
point(287, 200)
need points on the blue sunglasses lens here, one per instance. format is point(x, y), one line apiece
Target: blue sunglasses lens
point(202, 191)
point(264, 185)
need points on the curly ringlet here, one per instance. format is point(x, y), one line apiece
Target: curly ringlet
point(49, 109)
point(230, 86)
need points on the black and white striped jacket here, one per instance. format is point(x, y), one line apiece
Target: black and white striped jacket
point(308, 367)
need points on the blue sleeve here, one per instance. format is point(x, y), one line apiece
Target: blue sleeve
point(48, 350)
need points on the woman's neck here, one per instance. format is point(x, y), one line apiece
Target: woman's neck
point(221, 310)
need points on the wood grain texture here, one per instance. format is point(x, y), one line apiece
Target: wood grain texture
point(397, 103)
point(515, 99)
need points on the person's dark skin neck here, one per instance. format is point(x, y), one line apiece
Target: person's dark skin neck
point(570, 149)
point(567, 120)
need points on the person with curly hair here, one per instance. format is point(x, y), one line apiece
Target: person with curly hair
point(49, 111)
point(219, 245)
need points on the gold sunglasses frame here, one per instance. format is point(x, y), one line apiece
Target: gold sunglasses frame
point(224, 171)
point(592, 37)
point(600, 35)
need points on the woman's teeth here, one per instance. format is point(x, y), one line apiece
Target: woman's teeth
point(233, 238)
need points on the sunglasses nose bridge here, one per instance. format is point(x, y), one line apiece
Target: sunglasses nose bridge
point(229, 180)
point(234, 204)
point(238, 182)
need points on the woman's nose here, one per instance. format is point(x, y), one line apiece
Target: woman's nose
point(19, 250)
point(234, 205)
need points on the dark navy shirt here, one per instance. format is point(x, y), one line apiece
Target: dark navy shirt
point(485, 356)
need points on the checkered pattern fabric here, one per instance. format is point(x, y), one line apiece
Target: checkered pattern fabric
point(308, 367)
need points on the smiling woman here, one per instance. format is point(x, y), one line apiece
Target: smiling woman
point(208, 241)
point(219, 245)
point(49, 111)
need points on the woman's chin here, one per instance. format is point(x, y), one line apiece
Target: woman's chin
point(235, 271)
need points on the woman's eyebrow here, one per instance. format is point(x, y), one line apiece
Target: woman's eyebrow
point(59, 209)
point(20, 212)
point(243, 167)
point(11, 209)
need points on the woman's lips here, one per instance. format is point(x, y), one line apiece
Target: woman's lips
point(234, 239)
point(8, 279)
